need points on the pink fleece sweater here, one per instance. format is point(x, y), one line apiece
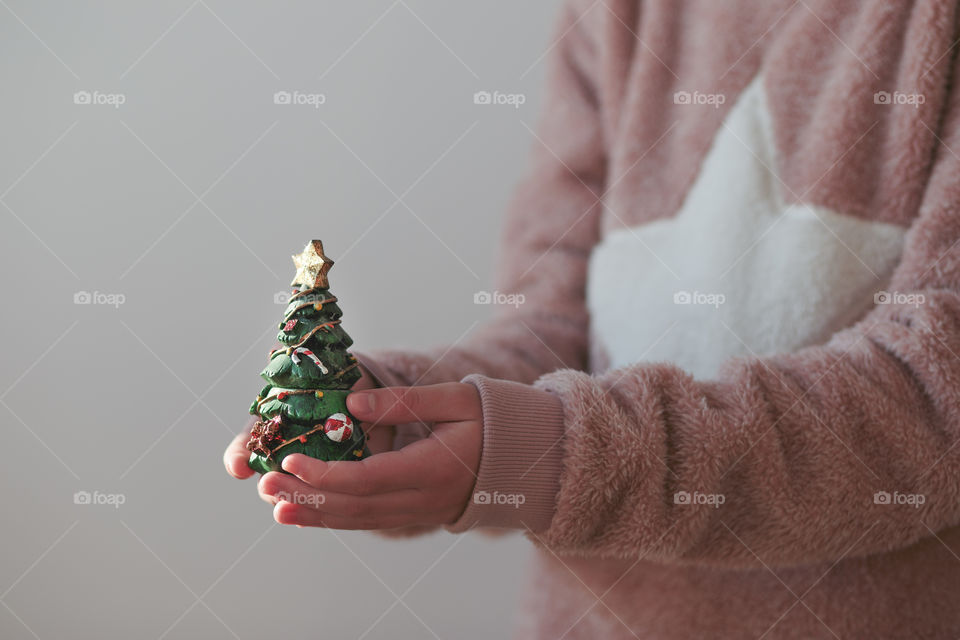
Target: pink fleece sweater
point(731, 399)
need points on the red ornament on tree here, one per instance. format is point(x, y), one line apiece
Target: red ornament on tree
point(338, 427)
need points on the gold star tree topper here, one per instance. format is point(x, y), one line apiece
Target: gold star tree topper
point(312, 267)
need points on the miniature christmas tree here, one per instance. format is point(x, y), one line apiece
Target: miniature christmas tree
point(303, 409)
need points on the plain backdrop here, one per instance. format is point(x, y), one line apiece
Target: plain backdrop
point(185, 203)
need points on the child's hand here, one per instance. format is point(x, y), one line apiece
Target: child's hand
point(236, 456)
point(427, 482)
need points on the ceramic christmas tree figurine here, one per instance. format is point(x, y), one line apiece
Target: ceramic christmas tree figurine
point(303, 409)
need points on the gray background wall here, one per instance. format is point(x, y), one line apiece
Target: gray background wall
point(188, 200)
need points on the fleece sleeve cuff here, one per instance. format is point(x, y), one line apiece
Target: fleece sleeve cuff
point(522, 457)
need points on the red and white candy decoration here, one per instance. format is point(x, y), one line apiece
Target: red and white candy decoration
point(338, 427)
point(303, 351)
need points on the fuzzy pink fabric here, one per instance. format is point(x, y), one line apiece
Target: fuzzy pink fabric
point(798, 443)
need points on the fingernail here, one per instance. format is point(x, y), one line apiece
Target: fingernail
point(360, 402)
